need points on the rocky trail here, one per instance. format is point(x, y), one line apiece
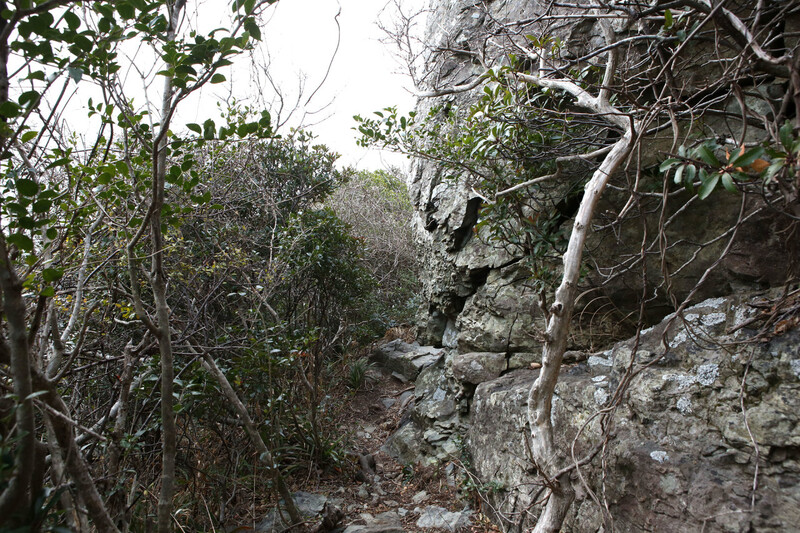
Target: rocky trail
point(379, 495)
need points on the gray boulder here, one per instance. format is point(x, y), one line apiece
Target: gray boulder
point(388, 522)
point(440, 518)
point(407, 360)
point(438, 419)
point(477, 367)
point(681, 456)
point(310, 506)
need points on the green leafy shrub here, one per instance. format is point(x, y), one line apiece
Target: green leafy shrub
point(378, 210)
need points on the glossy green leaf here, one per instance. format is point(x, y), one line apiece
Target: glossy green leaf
point(252, 28)
point(42, 23)
point(9, 109)
point(706, 154)
point(21, 241)
point(689, 175)
point(209, 129)
point(42, 206)
point(26, 222)
point(105, 25)
point(122, 168)
point(776, 166)
point(786, 136)
point(740, 176)
point(27, 187)
point(126, 10)
point(50, 275)
point(29, 97)
point(727, 182)
point(669, 163)
point(73, 22)
point(679, 175)
point(708, 186)
point(75, 73)
point(747, 158)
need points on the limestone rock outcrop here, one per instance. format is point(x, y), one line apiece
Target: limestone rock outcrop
point(478, 294)
point(681, 452)
point(691, 425)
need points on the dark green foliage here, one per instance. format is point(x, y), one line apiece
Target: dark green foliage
point(357, 373)
point(323, 263)
point(510, 135)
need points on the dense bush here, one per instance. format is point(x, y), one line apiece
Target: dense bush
point(377, 207)
point(176, 302)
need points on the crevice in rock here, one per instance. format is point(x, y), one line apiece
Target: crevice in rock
point(478, 276)
point(567, 207)
point(458, 305)
point(430, 223)
point(778, 454)
point(463, 233)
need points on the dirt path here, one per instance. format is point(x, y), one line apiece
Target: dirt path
point(381, 496)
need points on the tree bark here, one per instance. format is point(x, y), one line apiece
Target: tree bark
point(17, 496)
point(546, 456)
point(264, 454)
point(159, 286)
point(540, 397)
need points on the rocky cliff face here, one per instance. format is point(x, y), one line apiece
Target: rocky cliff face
point(478, 293)
point(685, 455)
point(703, 433)
point(706, 437)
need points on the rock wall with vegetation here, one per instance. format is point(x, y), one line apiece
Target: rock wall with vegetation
point(477, 279)
point(676, 405)
point(704, 436)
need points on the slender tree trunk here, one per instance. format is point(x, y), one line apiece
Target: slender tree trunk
point(159, 286)
point(58, 476)
point(264, 453)
point(117, 499)
point(540, 399)
point(17, 497)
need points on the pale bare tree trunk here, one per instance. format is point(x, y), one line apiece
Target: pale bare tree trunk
point(76, 520)
point(117, 499)
point(540, 398)
point(549, 460)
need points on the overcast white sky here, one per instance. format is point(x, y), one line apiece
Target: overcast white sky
point(300, 37)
